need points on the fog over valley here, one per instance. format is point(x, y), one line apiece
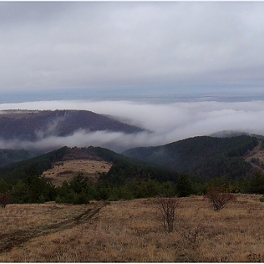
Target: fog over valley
point(162, 123)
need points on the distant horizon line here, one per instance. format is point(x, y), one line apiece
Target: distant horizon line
point(156, 98)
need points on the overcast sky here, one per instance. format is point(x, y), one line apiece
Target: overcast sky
point(132, 46)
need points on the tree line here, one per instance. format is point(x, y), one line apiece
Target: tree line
point(123, 181)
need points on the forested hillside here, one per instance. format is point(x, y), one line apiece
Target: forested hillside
point(36, 165)
point(8, 156)
point(204, 156)
point(185, 167)
point(126, 179)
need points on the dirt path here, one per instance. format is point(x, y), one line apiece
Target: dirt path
point(255, 153)
point(10, 240)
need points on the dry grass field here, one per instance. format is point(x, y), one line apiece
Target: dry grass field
point(132, 231)
point(66, 170)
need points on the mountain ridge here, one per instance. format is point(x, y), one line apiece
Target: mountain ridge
point(205, 157)
point(199, 155)
point(31, 125)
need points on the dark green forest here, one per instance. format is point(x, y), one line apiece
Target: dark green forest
point(202, 156)
point(8, 156)
point(210, 162)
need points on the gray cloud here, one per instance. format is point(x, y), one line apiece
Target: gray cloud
point(59, 45)
point(19, 14)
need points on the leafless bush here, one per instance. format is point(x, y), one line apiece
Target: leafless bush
point(167, 207)
point(4, 200)
point(218, 198)
point(191, 233)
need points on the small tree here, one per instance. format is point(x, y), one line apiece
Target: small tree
point(167, 207)
point(4, 200)
point(218, 198)
point(3, 186)
point(184, 186)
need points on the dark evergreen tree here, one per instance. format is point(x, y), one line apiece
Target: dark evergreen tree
point(184, 186)
point(4, 186)
point(256, 183)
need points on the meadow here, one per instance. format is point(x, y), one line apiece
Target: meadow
point(66, 170)
point(133, 231)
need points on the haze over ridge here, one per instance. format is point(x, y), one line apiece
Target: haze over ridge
point(165, 123)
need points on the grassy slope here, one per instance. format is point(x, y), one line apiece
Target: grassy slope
point(39, 164)
point(132, 231)
point(66, 170)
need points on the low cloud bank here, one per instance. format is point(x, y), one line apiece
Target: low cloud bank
point(166, 122)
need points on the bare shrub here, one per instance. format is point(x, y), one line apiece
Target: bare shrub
point(218, 198)
point(4, 200)
point(167, 207)
point(190, 233)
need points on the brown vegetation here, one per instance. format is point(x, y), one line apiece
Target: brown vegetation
point(256, 154)
point(218, 198)
point(167, 207)
point(4, 200)
point(66, 170)
point(130, 231)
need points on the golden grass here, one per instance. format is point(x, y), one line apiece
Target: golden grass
point(132, 231)
point(24, 216)
point(66, 170)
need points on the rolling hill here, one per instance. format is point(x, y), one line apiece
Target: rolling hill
point(203, 156)
point(33, 125)
point(41, 163)
point(190, 166)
